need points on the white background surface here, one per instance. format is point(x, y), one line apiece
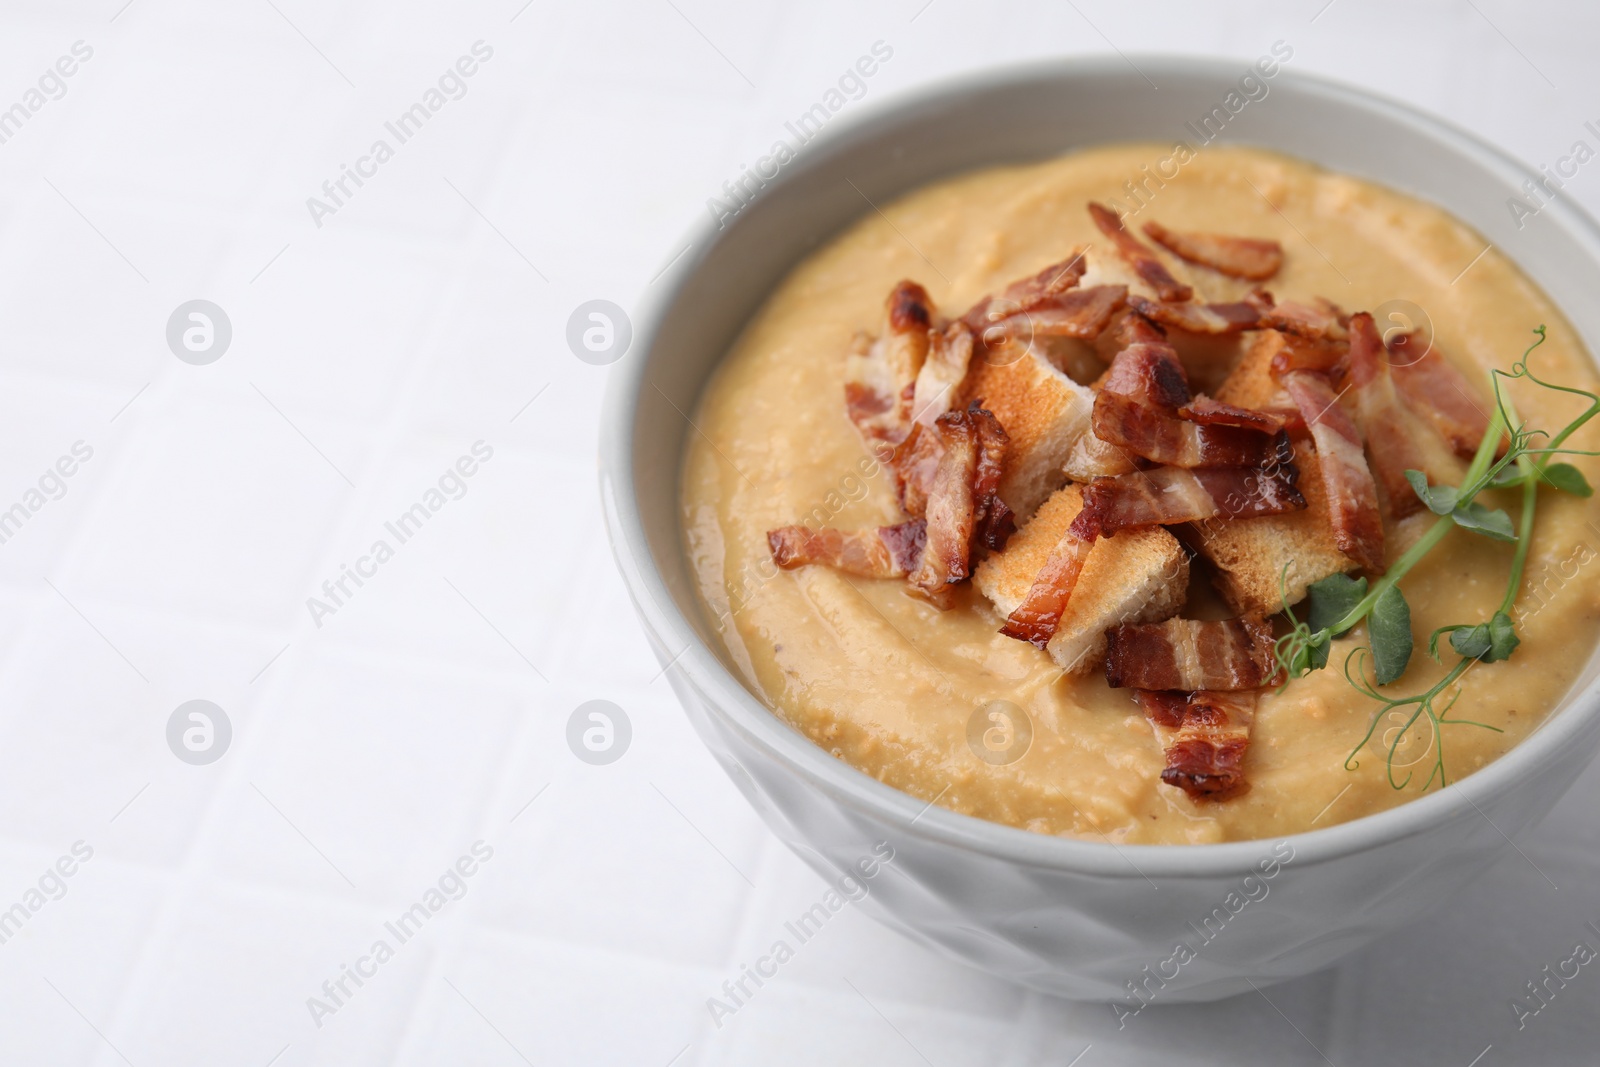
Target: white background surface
point(367, 355)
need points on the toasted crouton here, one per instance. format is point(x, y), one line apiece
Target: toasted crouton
point(1043, 411)
point(1249, 554)
point(1136, 576)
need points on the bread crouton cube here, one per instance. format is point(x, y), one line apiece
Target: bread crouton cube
point(1044, 413)
point(1137, 576)
point(1248, 556)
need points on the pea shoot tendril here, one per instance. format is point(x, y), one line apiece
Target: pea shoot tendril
point(1338, 603)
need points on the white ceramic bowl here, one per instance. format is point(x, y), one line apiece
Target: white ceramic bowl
point(1075, 918)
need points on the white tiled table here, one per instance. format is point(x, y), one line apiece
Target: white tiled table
point(372, 751)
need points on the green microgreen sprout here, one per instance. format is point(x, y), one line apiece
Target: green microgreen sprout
point(1339, 603)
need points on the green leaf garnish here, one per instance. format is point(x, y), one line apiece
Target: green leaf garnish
point(1466, 512)
point(1503, 639)
point(1389, 626)
point(1441, 499)
point(1472, 642)
point(1333, 598)
point(1568, 479)
point(1490, 641)
point(1341, 602)
point(1479, 519)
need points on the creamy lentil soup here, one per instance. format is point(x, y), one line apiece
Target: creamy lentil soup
point(890, 683)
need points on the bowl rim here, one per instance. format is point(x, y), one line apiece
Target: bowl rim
point(735, 707)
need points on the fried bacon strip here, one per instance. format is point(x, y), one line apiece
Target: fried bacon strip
point(898, 385)
point(879, 552)
point(951, 512)
point(1321, 320)
point(944, 369)
point(1191, 655)
point(1325, 356)
point(1055, 280)
point(995, 522)
point(962, 509)
point(1198, 318)
point(1093, 458)
point(1138, 408)
point(1080, 314)
point(961, 503)
point(1149, 375)
point(1205, 736)
point(914, 462)
point(1019, 296)
point(881, 373)
point(1130, 328)
point(1435, 389)
point(1352, 494)
point(1251, 258)
point(1208, 412)
point(1165, 496)
point(1141, 259)
point(916, 465)
point(1396, 439)
point(1036, 618)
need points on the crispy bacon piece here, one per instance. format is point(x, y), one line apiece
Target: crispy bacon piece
point(1205, 736)
point(1208, 412)
point(1036, 618)
point(1092, 458)
point(951, 512)
point(1352, 494)
point(1320, 320)
point(871, 408)
point(1165, 496)
point(1053, 280)
point(914, 462)
point(1188, 654)
point(909, 308)
point(876, 552)
point(961, 502)
point(1080, 314)
point(881, 373)
point(1435, 389)
point(949, 355)
point(1138, 405)
point(1130, 328)
point(1198, 318)
point(1141, 259)
point(1019, 296)
point(1396, 439)
point(1325, 356)
point(995, 521)
point(1251, 258)
point(1150, 375)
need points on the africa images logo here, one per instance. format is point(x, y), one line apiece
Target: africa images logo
point(451, 85)
point(740, 191)
point(451, 885)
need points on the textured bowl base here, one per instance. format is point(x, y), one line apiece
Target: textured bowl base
point(1097, 938)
